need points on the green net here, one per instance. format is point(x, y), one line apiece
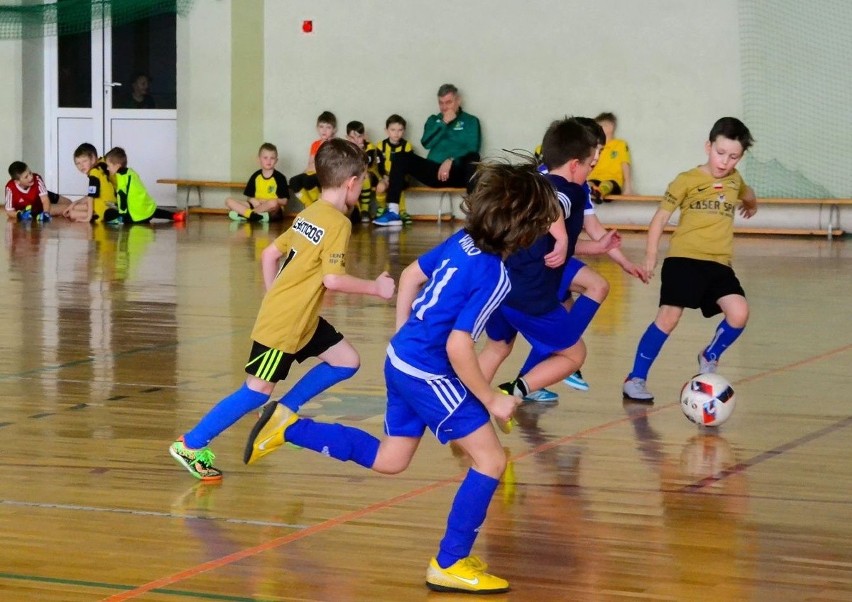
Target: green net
point(796, 82)
point(64, 17)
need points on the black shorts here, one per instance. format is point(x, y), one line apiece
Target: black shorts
point(54, 197)
point(273, 365)
point(696, 283)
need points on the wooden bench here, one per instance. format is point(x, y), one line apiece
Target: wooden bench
point(445, 194)
point(833, 226)
point(198, 185)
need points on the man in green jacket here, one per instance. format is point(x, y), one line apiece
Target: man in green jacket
point(453, 139)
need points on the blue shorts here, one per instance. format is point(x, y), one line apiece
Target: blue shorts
point(444, 405)
point(546, 333)
point(572, 266)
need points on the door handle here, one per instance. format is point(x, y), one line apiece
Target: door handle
point(112, 84)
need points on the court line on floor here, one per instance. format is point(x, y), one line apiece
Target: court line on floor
point(354, 515)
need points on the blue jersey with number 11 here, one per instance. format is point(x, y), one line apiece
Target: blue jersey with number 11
point(465, 286)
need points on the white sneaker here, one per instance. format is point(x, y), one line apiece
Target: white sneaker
point(706, 366)
point(635, 389)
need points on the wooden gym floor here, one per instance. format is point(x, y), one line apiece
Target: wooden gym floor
point(115, 341)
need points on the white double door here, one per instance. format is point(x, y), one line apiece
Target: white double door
point(88, 86)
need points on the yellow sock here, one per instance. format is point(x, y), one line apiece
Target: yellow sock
point(247, 213)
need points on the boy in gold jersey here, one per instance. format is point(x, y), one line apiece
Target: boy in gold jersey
point(697, 272)
point(298, 267)
point(100, 192)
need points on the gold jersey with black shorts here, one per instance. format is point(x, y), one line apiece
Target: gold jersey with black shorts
point(697, 270)
point(288, 324)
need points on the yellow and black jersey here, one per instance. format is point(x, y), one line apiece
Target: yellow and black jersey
point(315, 245)
point(273, 187)
point(374, 157)
point(613, 155)
point(101, 188)
point(387, 149)
point(706, 227)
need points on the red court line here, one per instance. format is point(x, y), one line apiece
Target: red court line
point(345, 518)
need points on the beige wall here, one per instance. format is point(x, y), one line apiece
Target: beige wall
point(247, 90)
point(656, 64)
point(10, 105)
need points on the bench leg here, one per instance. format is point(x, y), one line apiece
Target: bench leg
point(449, 196)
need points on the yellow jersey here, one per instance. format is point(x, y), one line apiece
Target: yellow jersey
point(315, 245)
point(706, 226)
point(613, 155)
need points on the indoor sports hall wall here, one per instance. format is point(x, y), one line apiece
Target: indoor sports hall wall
point(660, 67)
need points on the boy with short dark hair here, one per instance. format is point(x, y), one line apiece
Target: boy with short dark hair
point(697, 271)
point(134, 204)
point(27, 196)
point(312, 258)
point(390, 147)
point(305, 185)
point(533, 308)
point(266, 192)
point(431, 371)
point(100, 192)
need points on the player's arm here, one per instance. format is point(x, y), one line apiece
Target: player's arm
point(382, 286)
point(10, 208)
point(655, 232)
point(462, 356)
point(411, 281)
point(269, 259)
point(749, 202)
point(627, 173)
point(595, 229)
point(557, 256)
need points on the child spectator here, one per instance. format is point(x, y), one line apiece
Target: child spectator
point(100, 193)
point(388, 148)
point(266, 192)
point(27, 196)
point(134, 204)
point(305, 185)
point(431, 371)
point(357, 135)
point(697, 271)
point(289, 327)
point(612, 173)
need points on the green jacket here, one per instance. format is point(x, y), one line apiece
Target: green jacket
point(132, 197)
point(456, 139)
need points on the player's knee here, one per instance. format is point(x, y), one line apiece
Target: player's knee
point(492, 466)
point(598, 290)
point(737, 316)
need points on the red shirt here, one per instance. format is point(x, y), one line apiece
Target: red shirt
point(17, 198)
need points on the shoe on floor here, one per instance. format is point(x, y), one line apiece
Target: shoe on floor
point(179, 216)
point(199, 462)
point(706, 366)
point(466, 576)
point(267, 435)
point(541, 396)
point(236, 216)
point(406, 218)
point(635, 389)
point(388, 218)
point(576, 381)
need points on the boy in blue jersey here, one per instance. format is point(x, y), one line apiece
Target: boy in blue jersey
point(533, 306)
point(433, 377)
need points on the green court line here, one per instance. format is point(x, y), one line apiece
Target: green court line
point(101, 585)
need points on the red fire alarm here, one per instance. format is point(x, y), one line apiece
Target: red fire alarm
point(307, 26)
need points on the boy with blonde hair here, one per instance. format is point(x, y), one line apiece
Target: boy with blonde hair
point(308, 259)
point(266, 192)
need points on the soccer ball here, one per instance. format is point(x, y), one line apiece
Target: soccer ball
point(707, 399)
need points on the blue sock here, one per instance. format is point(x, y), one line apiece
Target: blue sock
point(724, 338)
point(224, 414)
point(336, 440)
point(647, 351)
point(466, 516)
point(319, 378)
point(535, 357)
point(581, 313)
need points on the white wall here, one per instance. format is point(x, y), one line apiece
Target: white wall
point(657, 64)
point(10, 105)
point(204, 85)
